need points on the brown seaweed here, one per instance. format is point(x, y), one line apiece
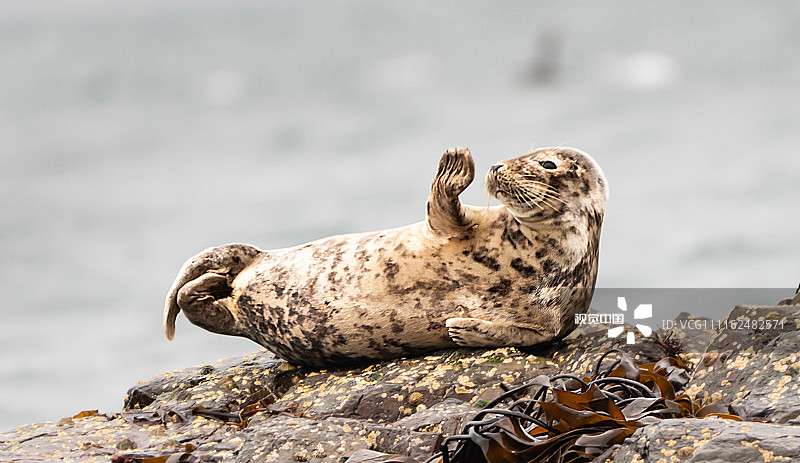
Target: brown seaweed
point(564, 418)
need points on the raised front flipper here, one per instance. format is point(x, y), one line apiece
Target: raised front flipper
point(445, 214)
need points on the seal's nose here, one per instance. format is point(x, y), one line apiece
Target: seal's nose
point(496, 167)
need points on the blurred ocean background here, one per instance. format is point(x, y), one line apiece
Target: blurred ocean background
point(135, 134)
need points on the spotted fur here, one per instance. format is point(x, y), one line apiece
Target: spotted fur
point(507, 275)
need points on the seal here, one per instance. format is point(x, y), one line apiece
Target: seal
point(507, 275)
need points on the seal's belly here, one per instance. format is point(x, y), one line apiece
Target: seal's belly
point(372, 295)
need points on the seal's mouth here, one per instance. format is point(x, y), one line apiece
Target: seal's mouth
point(493, 184)
point(501, 186)
point(498, 193)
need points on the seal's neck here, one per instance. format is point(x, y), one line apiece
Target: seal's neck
point(577, 235)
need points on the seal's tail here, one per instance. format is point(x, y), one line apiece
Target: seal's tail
point(228, 260)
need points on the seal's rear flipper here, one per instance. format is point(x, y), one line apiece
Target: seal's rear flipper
point(202, 282)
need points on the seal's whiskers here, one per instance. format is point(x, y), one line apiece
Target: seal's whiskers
point(542, 198)
point(531, 192)
point(546, 189)
point(525, 198)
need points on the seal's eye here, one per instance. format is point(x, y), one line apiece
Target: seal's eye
point(548, 164)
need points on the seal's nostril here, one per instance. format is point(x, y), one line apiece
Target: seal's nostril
point(496, 167)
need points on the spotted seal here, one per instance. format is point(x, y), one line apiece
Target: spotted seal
point(508, 275)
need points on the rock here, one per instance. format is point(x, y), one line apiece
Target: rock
point(755, 363)
point(127, 444)
point(710, 441)
point(792, 300)
point(447, 417)
point(579, 354)
point(252, 377)
point(693, 333)
point(256, 408)
point(369, 456)
point(288, 438)
point(389, 391)
point(404, 406)
point(98, 438)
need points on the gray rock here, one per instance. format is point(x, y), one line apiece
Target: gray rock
point(693, 333)
point(579, 355)
point(447, 418)
point(288, 438)
point(100, 437)
point(251, 378)
point(754, 364)
point(399, 406)
point(388, 391)
point(711, 441)
point(406, 406)
point(792, 300)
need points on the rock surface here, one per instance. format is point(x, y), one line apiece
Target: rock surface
point(711, 441)
point(256, 408)
point(755, 363)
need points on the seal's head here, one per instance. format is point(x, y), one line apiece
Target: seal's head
point(549, 182)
